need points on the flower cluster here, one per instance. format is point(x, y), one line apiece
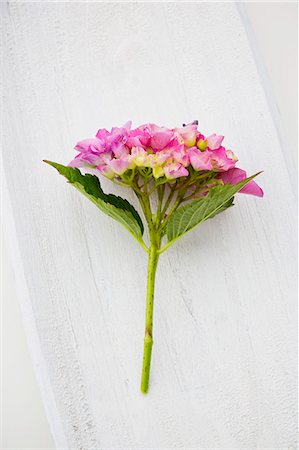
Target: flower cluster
point(166, 154)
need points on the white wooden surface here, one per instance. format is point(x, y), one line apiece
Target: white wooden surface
point(224, 362)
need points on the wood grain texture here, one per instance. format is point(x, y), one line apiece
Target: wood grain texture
point(224, 359)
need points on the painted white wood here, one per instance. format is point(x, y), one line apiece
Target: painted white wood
point(224, 360)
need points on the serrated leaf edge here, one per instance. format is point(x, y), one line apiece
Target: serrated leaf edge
point(96, 200)
point(243, 183)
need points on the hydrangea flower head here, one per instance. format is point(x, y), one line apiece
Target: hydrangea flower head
point(168, 153)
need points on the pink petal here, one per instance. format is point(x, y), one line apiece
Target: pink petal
point(162, 156)
point(106, 171)
point(252, 188)
point(118, 134)
point(188, 133)
point(161, 139)
point(87, 158)
point(175, 170)
point(180, 154)
point(77, 162)
point(85, 145)
point(120, 150)
point(119, 166)
point(102, 134)
point(221, 161)
point(234, 176)
point(137, 137)
point(200, 160)
point(214, 141)
point(127, 125)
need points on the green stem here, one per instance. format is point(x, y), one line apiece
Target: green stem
point(173, 208)
point(148, 338)
point(168, 201)
point(161, 190)
point(153, 222)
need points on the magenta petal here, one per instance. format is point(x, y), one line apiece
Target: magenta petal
point(234, 176)
point(252, 188)
point(102, 134)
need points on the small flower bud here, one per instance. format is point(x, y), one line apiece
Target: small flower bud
point(202, 144)
point(158, 172)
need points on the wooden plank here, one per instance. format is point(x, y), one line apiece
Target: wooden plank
point(224, 361)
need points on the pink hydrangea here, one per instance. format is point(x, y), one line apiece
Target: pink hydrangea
point(167, 153)
point(165, 168)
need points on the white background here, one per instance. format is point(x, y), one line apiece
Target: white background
point(24, 421)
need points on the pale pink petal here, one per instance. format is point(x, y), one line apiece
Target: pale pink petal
point(120, 150)
point(214, 141)
point(119, 166)
point(138, 156)
point(162, 156)
point(84, 146)
point(200, 160)
point(175, 170)
point(188, 134)
point(106, 171)
point(183, 159)
point(77, 162)
point(127, 125)
point(87, 158)
point(230, 154)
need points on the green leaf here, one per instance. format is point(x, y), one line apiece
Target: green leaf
point(187, 217)
point(224, 207)
point(112, 205)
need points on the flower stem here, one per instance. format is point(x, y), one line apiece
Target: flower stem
point(148, 338)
